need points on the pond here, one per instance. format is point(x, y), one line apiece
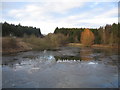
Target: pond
point(68, 67)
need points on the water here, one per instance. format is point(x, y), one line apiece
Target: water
point(69, 67)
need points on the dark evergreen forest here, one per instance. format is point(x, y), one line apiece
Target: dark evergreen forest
point(19, 31)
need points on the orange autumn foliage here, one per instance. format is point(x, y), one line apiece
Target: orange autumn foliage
point(87, 37)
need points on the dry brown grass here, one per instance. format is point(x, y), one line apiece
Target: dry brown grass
point(75, 44)
point(94, 45)
point(11, 45)
point(9, 42)
point(105, 46)
point(51, 41)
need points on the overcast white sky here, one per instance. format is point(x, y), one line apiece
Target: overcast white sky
point(49, 15)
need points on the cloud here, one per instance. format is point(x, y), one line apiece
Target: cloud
point(111, 12)
point(59, 0)
point(47, 16)
point(40, 14)
point(42, 8)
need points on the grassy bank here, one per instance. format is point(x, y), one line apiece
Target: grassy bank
point(49, 42)
point(94, 45)
point(13, 45)
point(75, 44)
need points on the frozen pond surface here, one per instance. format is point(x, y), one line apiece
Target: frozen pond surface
point(69, 67)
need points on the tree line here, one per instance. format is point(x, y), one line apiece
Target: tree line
point(18, 30)
point(108, 34)
point(103, 35)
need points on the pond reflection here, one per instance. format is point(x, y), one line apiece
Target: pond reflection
point(67, 58)
point(84, 54)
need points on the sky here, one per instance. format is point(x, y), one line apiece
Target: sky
point(70, 14)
